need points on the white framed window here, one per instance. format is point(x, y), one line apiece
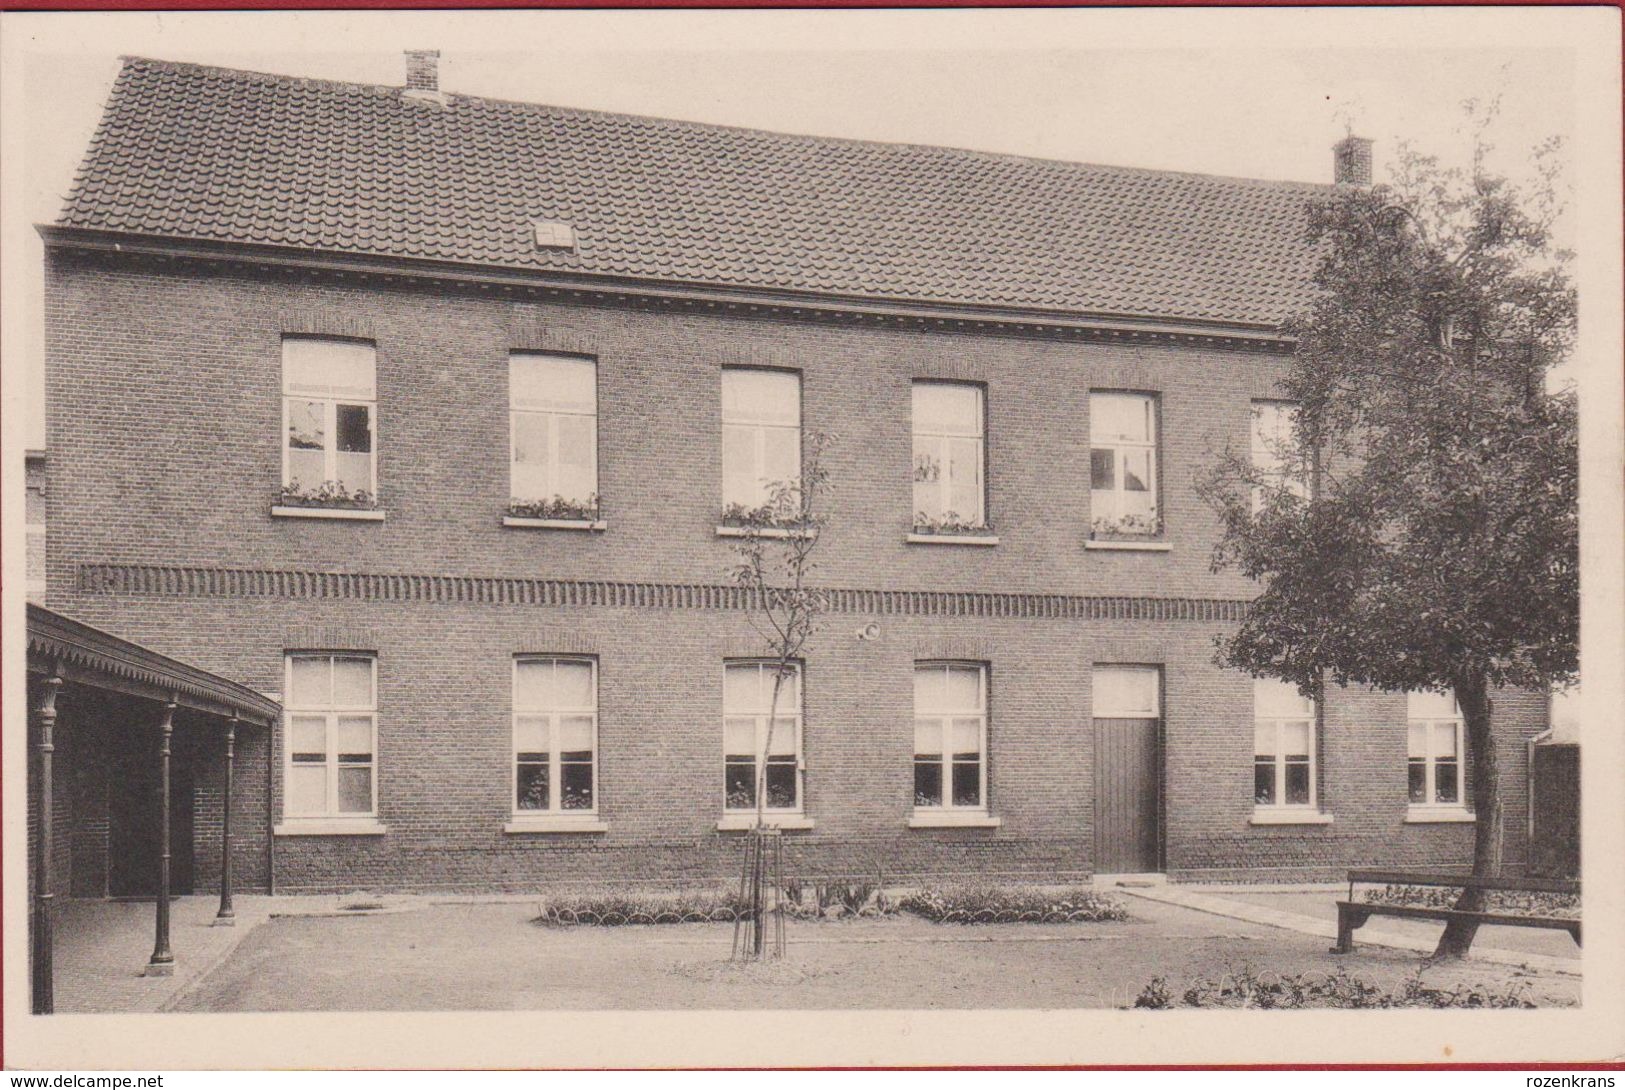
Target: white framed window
point(331, 721)
point(555, 735)
point(329, 417)
point(1436, 750)
point(553, 429)
point(950, 453)
point(1283, 746)
point(757, 746)
point(950, 736)
point(1123, 463)
point(1275, 449)
point(761, 433)
point(1127, 692)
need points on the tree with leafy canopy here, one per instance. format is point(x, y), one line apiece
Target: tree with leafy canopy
point(1437, 546)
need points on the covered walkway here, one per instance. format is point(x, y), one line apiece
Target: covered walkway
point(148, 754)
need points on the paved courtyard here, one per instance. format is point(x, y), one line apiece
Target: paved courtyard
point(102, 948)
point(493, 956)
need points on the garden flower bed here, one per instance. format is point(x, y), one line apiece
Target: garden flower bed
point(981, 904)
point(1013, 904)
point(1245, 988)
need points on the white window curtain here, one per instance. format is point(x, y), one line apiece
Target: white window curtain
point(553, 420)
point(761, 433)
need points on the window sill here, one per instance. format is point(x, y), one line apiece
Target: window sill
point(953, 819)
point(734, 823)
point(330, 827)
point(1126, 545)
point(357, 514)
point(765, 531)
point(596, 526)
point(557, 823)
point(952, 539)
point(1437, 815)
point(1285, 816)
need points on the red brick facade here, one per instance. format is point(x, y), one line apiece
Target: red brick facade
point(164, 400)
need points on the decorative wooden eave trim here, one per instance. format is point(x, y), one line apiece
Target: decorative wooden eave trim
point(99, 659)
point(592, 289)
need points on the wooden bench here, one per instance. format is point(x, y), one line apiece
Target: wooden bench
point(1352, 914)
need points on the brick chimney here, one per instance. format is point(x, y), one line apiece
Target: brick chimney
point(423, 70)
point(1351, 161)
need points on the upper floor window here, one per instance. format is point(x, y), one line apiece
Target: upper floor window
point(1283, 745)
point(1123, 464)
point(1433, 767)
point(1275, 450)
point(949, 455)
point(329, 408)
point(761, 434)
point(553, 427)
point(555, 735)
point(331, 714)
point(950, 736)
point(761, 749)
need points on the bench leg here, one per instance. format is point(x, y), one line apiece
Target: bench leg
point(1345, 931)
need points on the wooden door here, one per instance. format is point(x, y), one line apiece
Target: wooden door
point(1128, 779)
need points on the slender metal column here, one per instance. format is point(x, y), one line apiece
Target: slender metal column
point(226, 917)
point(44, 944)
point(162, 962)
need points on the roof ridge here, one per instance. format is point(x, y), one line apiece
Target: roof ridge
point(713, 126)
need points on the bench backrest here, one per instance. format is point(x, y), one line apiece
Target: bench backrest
point(1463, 881)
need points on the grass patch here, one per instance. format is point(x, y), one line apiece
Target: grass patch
point(972, 904)
point(1245, 988)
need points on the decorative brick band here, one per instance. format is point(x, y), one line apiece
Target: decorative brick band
point(170, 581)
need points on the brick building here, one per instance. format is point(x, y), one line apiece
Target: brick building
point(420, 412)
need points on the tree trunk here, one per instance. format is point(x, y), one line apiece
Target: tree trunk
point(1488, 833)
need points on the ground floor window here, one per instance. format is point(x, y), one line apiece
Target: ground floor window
point(761, 744)
point(555, 734)
point(1283, 745)
point(331, 716)
point(1433, 767)
point(950, 736)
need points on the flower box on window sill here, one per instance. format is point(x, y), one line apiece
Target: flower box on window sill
point(591, 525)
point(556, 510)
point(556, 823)
point(1287, 815)
point(1130, 532)
point(303, 511)
point(335, 826)
point(331, 498)
point(768, 520)
point(952, 535)
point(1438, 814)
point(733, 823)
point(930, 818)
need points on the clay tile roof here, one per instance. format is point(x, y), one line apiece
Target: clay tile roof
point(195, 152)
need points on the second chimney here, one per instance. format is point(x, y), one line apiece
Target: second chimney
point(423, 70)
point(1351, 161)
